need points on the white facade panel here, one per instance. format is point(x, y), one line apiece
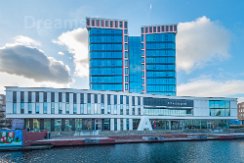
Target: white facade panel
point(118, 124)
point(78, 103)
point(56, 103)
point(9, 103)
point(130, 124)
point(18, 103)
point(92, 104)
point(105, 104)
point(85, 101)
point(124, 124)
point(233, 106)
point(71, 103)
point(200, 107)
point(130, 105)
point(112, 124)
point(48, 102)
point(41, 102)
point(26, 102)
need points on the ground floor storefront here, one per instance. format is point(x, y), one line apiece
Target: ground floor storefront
point(91, 124)
point(117, 124)
point(188, 124)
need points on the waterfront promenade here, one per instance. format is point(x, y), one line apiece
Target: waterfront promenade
point(43, 141)
point(140, 138)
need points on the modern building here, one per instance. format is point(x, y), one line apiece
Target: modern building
point(108, 54)
point(139, 64)
point(240, 114)
point(159, 59)
point(135, 68)
point(4, 123)
point(67, 109)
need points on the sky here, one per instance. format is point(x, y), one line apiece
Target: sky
point(45, 43)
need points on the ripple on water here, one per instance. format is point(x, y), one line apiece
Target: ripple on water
point(200, 152)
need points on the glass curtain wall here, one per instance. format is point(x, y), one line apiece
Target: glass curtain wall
point(105, 50)
point(160, 63)
point(135, 68)
point(219, 108)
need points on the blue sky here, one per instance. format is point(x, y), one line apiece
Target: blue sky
point(209, 41)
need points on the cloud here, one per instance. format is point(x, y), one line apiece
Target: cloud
point(209, 87)
point(24, 40)
point(200, 42)
point(76, 41)
point(61, 53)
point(16, 80)
point(20, 58)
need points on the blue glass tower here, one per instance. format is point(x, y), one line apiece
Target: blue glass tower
point(141, 64)
point(108, 54)
point(159, 59)
point(135, 79)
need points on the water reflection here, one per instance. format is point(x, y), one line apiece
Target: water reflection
point(200, 152)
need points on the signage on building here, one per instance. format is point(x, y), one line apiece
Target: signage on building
point(179, 102)
point(149, 101)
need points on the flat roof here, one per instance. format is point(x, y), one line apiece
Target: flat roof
point(113, 92)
